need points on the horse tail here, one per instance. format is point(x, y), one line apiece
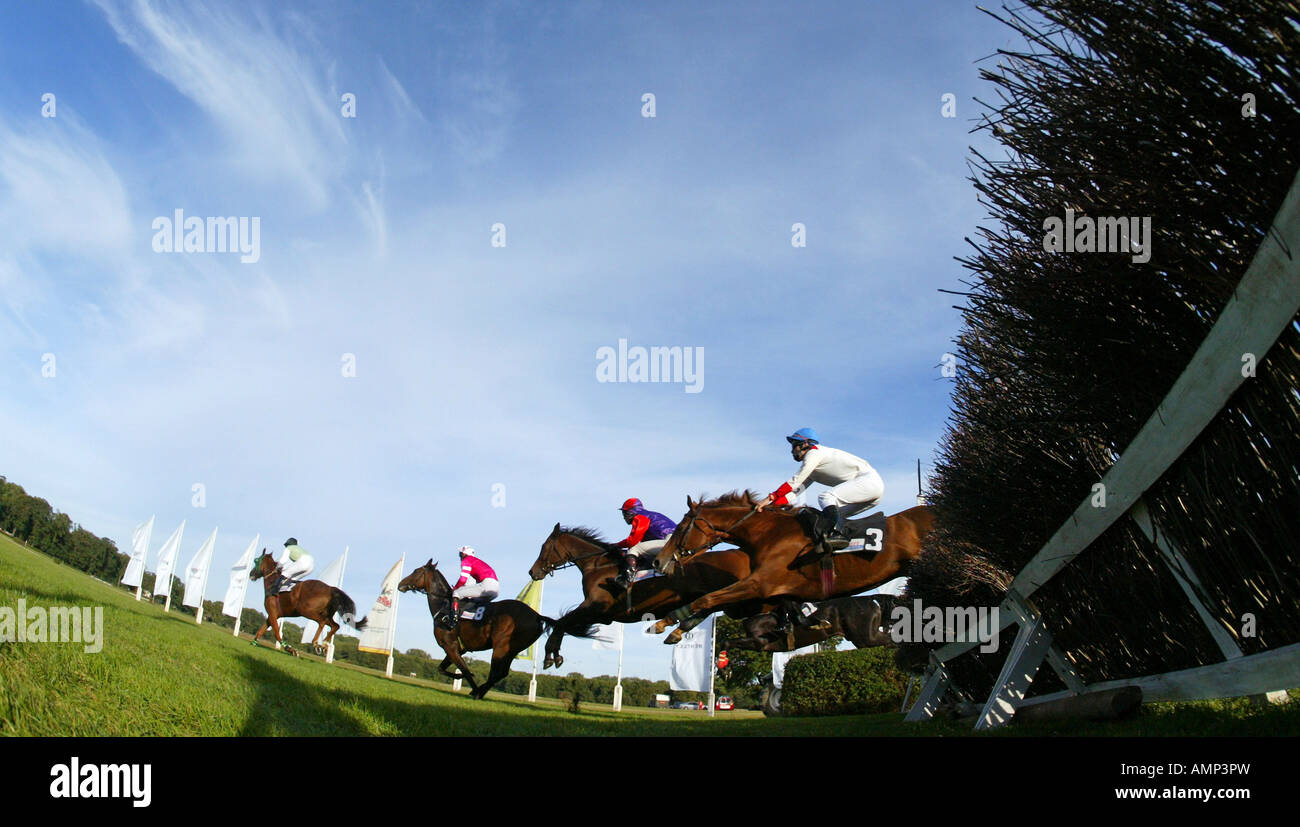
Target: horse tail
point(343, 606)
point(549, 623)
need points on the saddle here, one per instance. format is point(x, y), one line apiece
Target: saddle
point(866, 535)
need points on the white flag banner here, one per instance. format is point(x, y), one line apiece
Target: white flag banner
point(196, 575)
point(381, 623)
point(692, 666)
point(780, 659)
point(233, 605)
point(162, 580)
point(139, 552)
point(608, 636)
point(331, 576)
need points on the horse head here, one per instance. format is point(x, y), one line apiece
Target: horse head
point(426, 579)
point(565, 546)
point(705, 525)
point(548, 559)
point(263, 565)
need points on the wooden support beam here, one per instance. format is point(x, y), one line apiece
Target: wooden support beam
point(936, 684)
point(1026, 655)
point(1187, 579)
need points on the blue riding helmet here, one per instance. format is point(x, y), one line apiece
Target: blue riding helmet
point(803, 435)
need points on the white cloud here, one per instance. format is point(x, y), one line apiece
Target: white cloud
point(265, 94)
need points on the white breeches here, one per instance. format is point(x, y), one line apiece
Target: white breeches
point(298, 569)
point(858, 494)
point(485, 591)
point(646, 548)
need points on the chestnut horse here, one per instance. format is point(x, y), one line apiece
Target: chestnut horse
point(508, 627)
point(779, 550)
point(313, 599)
point(605, 601)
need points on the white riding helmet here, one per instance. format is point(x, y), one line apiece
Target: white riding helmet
point(466, 551)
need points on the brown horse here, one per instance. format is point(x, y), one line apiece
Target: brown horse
point(780, 553)
point(606, 601)
point(312, 599)
point(508, 627)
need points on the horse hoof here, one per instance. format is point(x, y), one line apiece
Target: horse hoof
point(675, 637)
point(559, 661)
point(658, 628)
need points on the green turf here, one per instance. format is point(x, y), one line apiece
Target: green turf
point(160, 674)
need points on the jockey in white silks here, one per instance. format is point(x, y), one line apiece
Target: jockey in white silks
point(295, 564)
point(853, 485)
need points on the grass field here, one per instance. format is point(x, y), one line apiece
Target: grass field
point(160, 674)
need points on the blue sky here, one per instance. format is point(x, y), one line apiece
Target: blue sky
point(475, 364)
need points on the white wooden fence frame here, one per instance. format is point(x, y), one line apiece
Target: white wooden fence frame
point(1263, 306)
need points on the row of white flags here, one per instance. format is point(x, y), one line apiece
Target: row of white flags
point(196, 573)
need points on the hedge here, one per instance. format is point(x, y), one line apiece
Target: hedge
point(852, 682)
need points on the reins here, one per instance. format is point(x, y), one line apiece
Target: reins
point(718, 535)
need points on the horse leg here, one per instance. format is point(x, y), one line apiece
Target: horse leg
point(747, 589)
point(553, 657)
point(501, 657)
point(675, 616)
point(334, 627)
point(580, 618)
point(465, 674)
point(320, 627)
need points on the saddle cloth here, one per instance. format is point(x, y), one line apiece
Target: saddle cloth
point(473, 611)
point(866, 534)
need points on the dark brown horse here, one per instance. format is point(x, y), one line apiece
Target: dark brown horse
point(508, 627)
point(313, 599)
point(862, 621)
point(780, 550)
point(605, 601)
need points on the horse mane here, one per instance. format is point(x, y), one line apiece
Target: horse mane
point(745, 497)
point(590, 535)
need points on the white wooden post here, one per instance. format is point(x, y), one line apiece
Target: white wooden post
point(1027, 654)
point(932, 692)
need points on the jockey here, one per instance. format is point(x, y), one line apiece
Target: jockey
point(484, 588)
point(295, 563)
point(854, 485)
point(650, 531)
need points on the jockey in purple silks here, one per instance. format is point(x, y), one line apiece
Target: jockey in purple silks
point(650, 531)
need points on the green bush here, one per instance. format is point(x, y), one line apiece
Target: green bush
point(853, 682)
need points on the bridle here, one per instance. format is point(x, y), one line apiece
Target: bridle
point(719, 535)
point(549, 568)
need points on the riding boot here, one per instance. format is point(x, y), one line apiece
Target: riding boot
point(628, 574)
point(830, 525)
